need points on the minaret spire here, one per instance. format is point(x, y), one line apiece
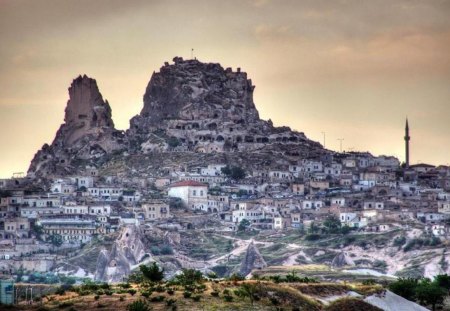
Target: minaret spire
point(407, 139)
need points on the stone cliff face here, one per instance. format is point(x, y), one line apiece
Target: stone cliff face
point(87, 132)
point(202, 107)
point(127, 251)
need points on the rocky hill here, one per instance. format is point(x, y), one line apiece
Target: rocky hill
point(202, 107)
point(87, 132)
point(189, 107)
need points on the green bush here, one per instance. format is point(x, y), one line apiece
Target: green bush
point(171, 302)
point(166, 250)
point(157, 298)
point(125, 285)
point(170, 291)
point(312, 237)
point(138, 305)
point(132, 291)
point(228, 298)
point(187, 294)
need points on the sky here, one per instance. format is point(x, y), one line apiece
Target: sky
point(351, 69)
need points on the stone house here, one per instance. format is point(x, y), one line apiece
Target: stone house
point(155, 210)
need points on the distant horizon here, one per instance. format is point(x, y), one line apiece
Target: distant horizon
point(352, 70)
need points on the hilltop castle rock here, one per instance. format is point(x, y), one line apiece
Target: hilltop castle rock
point(87, 132)
point(202, 107)
point(189, 107)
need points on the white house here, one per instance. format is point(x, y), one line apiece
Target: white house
point(193, 194)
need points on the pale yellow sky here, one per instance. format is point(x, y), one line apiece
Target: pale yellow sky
point(353, 69)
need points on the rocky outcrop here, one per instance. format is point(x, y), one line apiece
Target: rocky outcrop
point(189, 107)
point(87, 133)
point(127, 251)
point(202, 107)
point(342, 260)
point(252, 260)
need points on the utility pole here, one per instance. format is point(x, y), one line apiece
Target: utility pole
point(323, 133)
point(340, 142)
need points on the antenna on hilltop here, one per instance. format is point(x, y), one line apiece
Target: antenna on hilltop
point(340, 143)
point(192, 53)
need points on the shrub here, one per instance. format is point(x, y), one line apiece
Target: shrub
point(187, 294)
point(196, 298)
point(228, 298)
point(138, 305)
point(132, 291)
point(312, 237)
point(157, 298)
point(404, 287)
point(171, 302)
point(104, 286)
point(125, 285)
point(189, 277)
point(166, 250)
point(153, 272)
point(212, 275)
point(155, 250)
point(159, 289)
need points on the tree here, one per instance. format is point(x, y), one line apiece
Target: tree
point(38, 231)
point(56, 239)
point(312, 228)
point(153, 272)
point(237, 173)
point(248, 290)
point(234, 172)
point(243, 225)
point(189, 277)
point(405, 288)
point(430, 293)
point(332, 224)
point(173, 142)
point(443, 280)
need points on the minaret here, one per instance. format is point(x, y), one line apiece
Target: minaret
point(407, 139)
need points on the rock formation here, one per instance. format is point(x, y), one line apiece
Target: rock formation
point(341, 260)
point(189, 107)
point(252, 260)
point(87, 132)
point(127, 251)
point(202, 107)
